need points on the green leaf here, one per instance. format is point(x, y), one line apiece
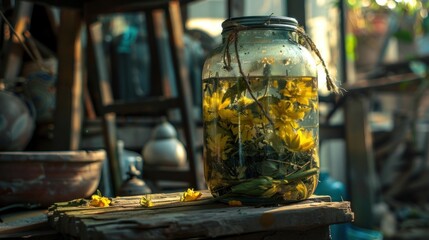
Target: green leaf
point(269, 168)
point(264, 101)
point(235, 90)
point(301, 174)
point(276, 142)
point(258, 84)
point(268, 100)
point(76, 202)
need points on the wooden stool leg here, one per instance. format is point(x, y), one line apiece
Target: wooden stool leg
point(103, 98)
point(175, 30)
point(13, 50)
point(68, 113)
point(360, 160)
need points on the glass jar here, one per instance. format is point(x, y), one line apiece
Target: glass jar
point(260, 113)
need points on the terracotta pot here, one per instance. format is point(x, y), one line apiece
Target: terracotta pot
point(48, 177)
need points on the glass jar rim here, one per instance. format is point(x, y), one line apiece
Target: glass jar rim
point(260, 22)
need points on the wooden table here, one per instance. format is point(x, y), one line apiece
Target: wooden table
point(171, 219)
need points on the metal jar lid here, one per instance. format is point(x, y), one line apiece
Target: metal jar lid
point(260, 22)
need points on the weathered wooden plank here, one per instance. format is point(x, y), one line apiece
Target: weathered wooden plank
point(206, 218)
point(209, 223)
point(16, 222)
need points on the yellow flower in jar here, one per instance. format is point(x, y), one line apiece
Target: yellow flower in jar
point(213, 105)
point(244, 101)
point(300, 92)
point(286, 114)
point(297, 141)
point(245, 125)
point(215, 179)
point(275, 84)
point(294, 191)
point(227, 114)
point(218, 146)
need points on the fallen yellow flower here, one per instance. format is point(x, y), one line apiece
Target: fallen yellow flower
point(99, 201)
point(190, 195)
point(146, 201)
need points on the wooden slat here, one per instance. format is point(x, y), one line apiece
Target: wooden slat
point(104, 97)
point(16, 222)
point(362, 183)
point(399, 82)
point(153, 106)
point(14, 49)
point(158, 69)
point(205, 218)
point(175, 29)
point(114, 6)
point(68, 112)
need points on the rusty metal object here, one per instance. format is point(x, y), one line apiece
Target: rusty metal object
point(133, 185)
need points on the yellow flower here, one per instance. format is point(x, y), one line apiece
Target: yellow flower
point(146, 201)
point(246, 125)
point(307, 79)
point(99, 201)
point(213, 105)
point(295, 191)
point(190, 195)
point(285, 114)
point(228, 114)
point(300, 92)
point(235, 203)
point(297, 141)
point(275, 84)
point(244, 101)
point(218, 146)
point(215, 179)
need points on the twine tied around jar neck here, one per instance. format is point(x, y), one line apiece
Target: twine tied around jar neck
point(303, 39)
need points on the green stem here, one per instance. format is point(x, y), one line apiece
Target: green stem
point(301, 174)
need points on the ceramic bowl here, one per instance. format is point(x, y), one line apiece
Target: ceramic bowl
point(48, 177)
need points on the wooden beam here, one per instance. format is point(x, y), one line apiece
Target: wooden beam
point(175, 29)
point(68, 113)
point(14, 49)
point(104, 98)
point(362, 184)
